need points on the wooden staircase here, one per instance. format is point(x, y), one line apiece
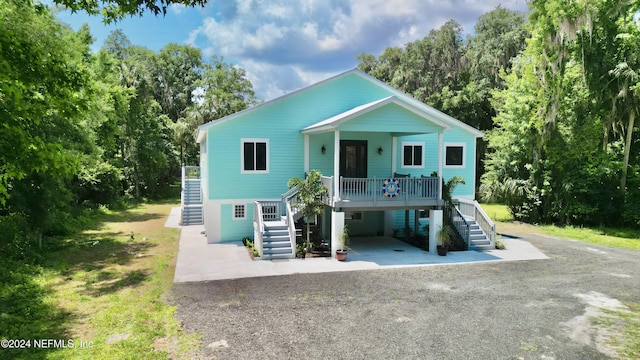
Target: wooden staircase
point(191, 199)
point(473, 225)
point(478, 240)
point(274, 227)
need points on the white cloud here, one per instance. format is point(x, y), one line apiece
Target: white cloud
point(285, 44)
point(177, 8)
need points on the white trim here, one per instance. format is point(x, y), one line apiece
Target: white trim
point(464, 155)
point(253, 140)
point(435, 113)
point(412, 144)
point(306, 153)
point(244, 212)
point(440, 161)
point(336, 165)
point(394, 154)
point(335, 121)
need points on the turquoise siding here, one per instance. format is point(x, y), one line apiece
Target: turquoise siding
point(430, 155)
point(371, 224)
point(235, 229)
point(280, 122)
point(468, 172)
point(317, 160)
point(390, 118)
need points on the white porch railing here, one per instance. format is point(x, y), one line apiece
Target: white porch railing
point(258, 226)
point(460, 223)
point(472, 209)
point(369, 191)
point(292, 228)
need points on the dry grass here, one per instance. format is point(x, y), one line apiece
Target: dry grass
point(113, 280)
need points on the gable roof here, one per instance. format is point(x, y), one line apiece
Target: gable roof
point(399, 97)
point(335, 121)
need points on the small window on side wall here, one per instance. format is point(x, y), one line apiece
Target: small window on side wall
point(412, 155)
point(239, 212)
point(454, 155)
point(255, 155)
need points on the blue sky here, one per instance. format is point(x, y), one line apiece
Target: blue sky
point(287, 44)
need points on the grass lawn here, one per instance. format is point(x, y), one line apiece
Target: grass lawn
point(107, 288)
point(621, 238)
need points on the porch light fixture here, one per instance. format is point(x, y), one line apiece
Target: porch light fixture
point(324, 150)
point(380, 150)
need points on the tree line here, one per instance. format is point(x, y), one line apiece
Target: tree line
point(82, 129)
point(557, 93)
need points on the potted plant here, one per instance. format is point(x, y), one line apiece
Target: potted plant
point(444, 239)
point(341, 252)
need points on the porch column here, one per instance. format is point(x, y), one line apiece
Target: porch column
point(394, 154)
point(336, 165)
point(435, 226)
point(440, 161)
point(337, 225)
point(306, 153)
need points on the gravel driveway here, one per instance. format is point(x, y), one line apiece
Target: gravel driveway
point(539, 309)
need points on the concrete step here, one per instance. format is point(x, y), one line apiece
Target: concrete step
point(482, 247)
point(275, 244)
point(277, 251)
point(275, 239)
point(277, 256)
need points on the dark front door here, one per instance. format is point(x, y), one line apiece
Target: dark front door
point(353, 158)
point(353, 164)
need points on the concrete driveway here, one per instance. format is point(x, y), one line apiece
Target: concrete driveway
point(537, 309)
point(200, 261)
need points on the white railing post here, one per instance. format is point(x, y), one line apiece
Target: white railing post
point(258, 226)
point(182, 188)
point(292, 229)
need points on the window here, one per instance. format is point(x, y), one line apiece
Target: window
point(353, 215)
point(454, 155)
point(255, 157)
point(413, 154)
point(239, 212)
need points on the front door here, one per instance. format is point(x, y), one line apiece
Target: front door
point(353, 158)
point(353, 164)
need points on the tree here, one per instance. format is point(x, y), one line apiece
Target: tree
point(113, 10)
point(310, 194)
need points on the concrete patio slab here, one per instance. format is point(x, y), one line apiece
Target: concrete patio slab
point(200, 261)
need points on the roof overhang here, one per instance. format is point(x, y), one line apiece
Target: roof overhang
point(335, 121)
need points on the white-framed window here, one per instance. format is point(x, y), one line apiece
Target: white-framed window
point(455, 154)
point(353, 215)
point(254, 156)
point(412, 154)
point(239, 212)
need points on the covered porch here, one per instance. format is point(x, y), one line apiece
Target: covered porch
point(387, 154)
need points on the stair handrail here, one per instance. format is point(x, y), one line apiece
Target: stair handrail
point(290, 198)
point(483, 220)
point(462, 228)
point(292, 229)
point(258, 226)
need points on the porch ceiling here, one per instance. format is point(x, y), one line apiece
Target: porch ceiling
point(347, 120)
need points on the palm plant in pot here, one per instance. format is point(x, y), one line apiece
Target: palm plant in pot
point(444, 239)
point(341, 252)
point(310, 194)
